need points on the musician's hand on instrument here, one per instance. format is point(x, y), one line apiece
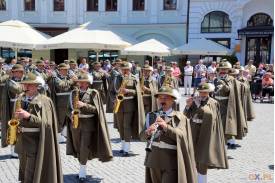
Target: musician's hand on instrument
point(22, 114)
point(189, 101)
point(151, 129)
point(124, 91)
point(161, 123)
point(80, 104)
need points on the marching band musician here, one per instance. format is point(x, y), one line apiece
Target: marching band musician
point(170, 154)
point(39, 158)
point(169, 80)
point(207, 131)
point(149, 87)
point(42, 74)
point(115, 74)
point(10, 92)
point(62, 87)
point(227, 93)
point(130, 115)
point(90, 139)
point(100, 80)
point(73, 68)
point(3, 78)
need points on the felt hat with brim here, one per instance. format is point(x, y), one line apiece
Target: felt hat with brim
point(39, 62)
point(268, 73)
point(30, 78)
point(224, 65)
point(125, 65)
point(234, 72)
point(168, 68)
point(84, 77)
point(2, 60)
point(206, 87)
point(96, 63)
point(166, 90)
point(72, 62)
point(118, 61)
point(63, 66)
point(17, 67)
point(147, 68)
point(52, 63)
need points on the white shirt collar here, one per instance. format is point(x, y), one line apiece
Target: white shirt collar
point(169, 111)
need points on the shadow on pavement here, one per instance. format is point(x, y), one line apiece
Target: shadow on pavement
point(115, 140)
point(5, 157)
point(116, 153)
point(73, 178)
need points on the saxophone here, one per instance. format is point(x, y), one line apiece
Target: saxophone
point(13, 125)
point(120, 96)
point(74, 98)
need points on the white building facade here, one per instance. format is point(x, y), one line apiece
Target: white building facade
point(244, 26)
point(224, 21)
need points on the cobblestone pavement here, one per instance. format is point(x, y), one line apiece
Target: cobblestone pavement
point(252, 162)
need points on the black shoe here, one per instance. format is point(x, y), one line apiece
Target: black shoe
point(232, 146)
point(13, 157)
point(125, 154)
point(121, 151)
point(237, 145)
point(230, 157)
point(82, 179)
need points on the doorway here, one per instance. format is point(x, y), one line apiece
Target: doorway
point(258, 49)
point(60, 55)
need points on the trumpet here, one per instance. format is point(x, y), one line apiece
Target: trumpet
point(74, 98)
point(155, 132)
point(13, 125)
point(120, 96)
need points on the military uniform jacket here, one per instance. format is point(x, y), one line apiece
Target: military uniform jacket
point(43, 144)
point(112, 90)
point(149, 96)
point(207, 133)
point(178, 133)
point(97, 124)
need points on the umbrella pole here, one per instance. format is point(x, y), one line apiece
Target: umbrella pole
point(15, 53)
point(152, 60)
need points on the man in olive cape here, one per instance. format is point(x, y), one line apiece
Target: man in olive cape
point(37, 141)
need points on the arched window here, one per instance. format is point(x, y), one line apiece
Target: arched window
point(216, 22)
point(260, 19)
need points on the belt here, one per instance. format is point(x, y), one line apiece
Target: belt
point(13, 99)
point(64, 93)
point(187, 75)
point(164, 145)
point(97, 81)
point(221, 97)
point(199, 121)
point(2, 84)
point(127, 98)
point(24, 130)
point(146, 95)
point(86, 116)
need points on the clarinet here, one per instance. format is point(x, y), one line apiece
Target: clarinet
point(155, 132)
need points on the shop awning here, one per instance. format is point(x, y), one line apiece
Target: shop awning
point(249, 31)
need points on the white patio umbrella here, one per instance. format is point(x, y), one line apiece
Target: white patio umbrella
point(201, 47)
point(149, 47)
point(89, 36)
point(19, 35)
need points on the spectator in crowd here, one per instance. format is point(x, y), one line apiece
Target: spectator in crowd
point(155, 75)
point(188, 73)
point(212, 68)
point(107, 65)
point(252, 69)
point(11, 64)
point(237, 65)
point(199, 72)
point(176, 72)
point(267, 85)
point(83, 64)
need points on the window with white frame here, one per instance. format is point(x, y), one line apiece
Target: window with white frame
point(92, 5)
point(3, 5)
point(169, 4)
point(58, 5)
point(111, 5)
point(216, 22)
point(138, 5)
point(29, 5)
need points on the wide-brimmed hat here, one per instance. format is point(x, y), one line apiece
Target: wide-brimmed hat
point(125, 65)
point(52, 63)
point(63, 66)
point(206, 87)
point(224, 64)
point(234, 72)
point(147, 68)
point(166, 90)
point(2, 60)
point(84, 77)
point(96, 63)
point(118, 61)
point(30, 78)
point(17, 67)
point(72, 61)
point(39, 62)
point(168, 68)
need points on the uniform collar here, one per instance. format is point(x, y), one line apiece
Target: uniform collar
point(169, 112)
